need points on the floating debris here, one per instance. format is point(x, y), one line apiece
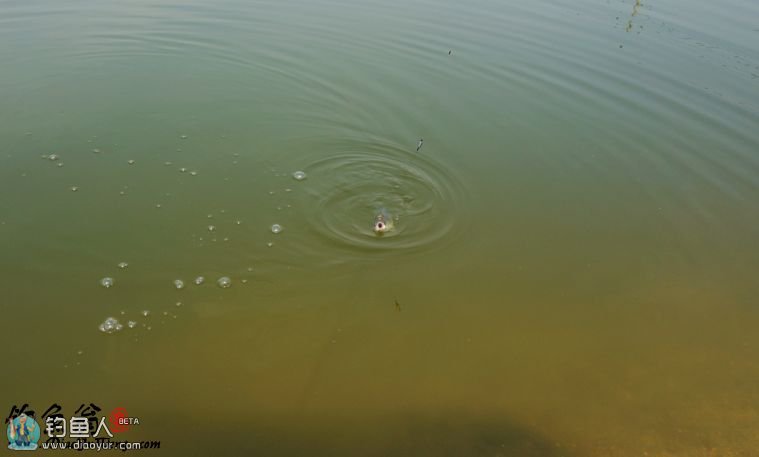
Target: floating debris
point(123, 265)
point(419, 145)
point(106, 282)
point(179, 284)
point(224, 282)
point(276, 228)
point(110, 325)
point(299, 175)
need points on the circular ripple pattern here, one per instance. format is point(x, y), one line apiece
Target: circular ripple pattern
point(419, 198)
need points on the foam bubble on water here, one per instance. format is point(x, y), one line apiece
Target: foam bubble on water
point(179, 303)
point(183, 170)
point(123, 265)
point(199, 280)
point(238, 222)
point(145, 312)
point(110, 325)
point(184, 137)
point(53, 157)
point(270, 244)
point(168, 164)
point(276, 228)
point(224, 282)
point(106, 282)
point(96, 151)
point(300, 175)
point(74, 188)
point(194, 173)
point(179, 284)
point(131, 324)
point(211, 228)
point(130, 162)
point(60, 165)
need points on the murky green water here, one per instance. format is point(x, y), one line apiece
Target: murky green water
point(572, 268)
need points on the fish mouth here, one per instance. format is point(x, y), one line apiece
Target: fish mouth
point(380, 227)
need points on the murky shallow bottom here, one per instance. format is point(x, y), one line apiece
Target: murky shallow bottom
point(569, 271)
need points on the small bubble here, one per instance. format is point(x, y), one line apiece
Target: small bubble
point(122, 193)
point(225, 239)
point(244, 281)
point(276, 228)
point(299, 175)
point(250, 269)
point(211, 228)
point(74, 188)
point(199, 280)
point(270, 244)
point(60, 165)
point(184, 137)
point(79, 352)
point(123, 265)
point(96, 151)
point(131, 324)
point(179, 284)
point(224, 282)
point(168, 164)
point(158, 205)
point(130, 162)
point(165, 313)
point(238, 222)
point(183, 170)
point(53, 157)
point(145, 313)
point(179, 303)
point(110, 325)
point(106, 282)
point(194, 173)
point(288, 190)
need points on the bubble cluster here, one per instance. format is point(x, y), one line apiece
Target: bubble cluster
point(179, 284)
point(123, 265)
point(276, 228)
point(110, 325)
point(200, 280)
point(106, 282)
point(299, 175)
point(224, 282)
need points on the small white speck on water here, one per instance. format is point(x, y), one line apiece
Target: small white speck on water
point(179, 303)
point(110, 325)
point(145, 313)
point(276, 228)
point(165, 313)
point(271, 192)
point(184, 137)
point(130, 162)
point(60, 165)
point(288, 190)
point(270, 244)
point(183, 170)
point(53, 157)
point(123, 265)
point(211, 228)
point(244, 281)
point(179, 284)
point(300, 175)
point(168, 164)
point(193, 173)
point(122, 193)
point(250, 269)
point(74, 188)
point(199, 280)
point(106, 282)
point(79, 352)
point(225, 239)
point(224, 282)
point(158, 205)
point(131, 324)
point(238, 222)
